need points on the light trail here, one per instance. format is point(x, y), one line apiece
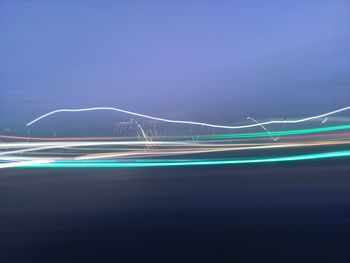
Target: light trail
point(190, 122)
point(218, 136)
point(170, 152)
point(262, 126)
point(29, 147)
point(183, 163)
point(63, 138)
point(24, 163)
point(132, 151)
point(276, 133)
point(171, 148)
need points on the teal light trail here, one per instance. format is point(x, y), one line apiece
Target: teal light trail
point(277, 133)
point(182, 163)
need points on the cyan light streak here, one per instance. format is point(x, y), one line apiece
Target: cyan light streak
point(182, 163)
point(119, 152)
point(277, 133)
point(203, 137)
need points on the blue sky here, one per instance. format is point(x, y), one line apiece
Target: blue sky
point(219, 61)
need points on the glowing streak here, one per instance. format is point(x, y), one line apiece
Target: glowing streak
point(30, 147)
point(186, 151)
point(13, 158)
point(68, 145)
point(228, 136)
point(189, 122)
point(142, 132)
point(63, 138)
point(277, 133)
point(78, 143)
point(262, 126)
point(170, 163)
point(24, 163)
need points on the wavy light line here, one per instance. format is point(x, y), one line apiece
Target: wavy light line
point(190, 122)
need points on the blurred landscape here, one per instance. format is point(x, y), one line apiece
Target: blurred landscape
point(226, 139)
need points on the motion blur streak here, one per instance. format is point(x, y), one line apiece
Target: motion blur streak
point(222, 136)
point(150, 149)
point(168, 163)
point(24, 163)
point(75, 153)
point(191, 122)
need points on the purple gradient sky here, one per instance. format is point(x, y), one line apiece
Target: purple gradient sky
point(217, 61)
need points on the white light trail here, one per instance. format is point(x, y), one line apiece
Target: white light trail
point(12, 161)
point(190, 122)
point(40, 146)
point(262, 126)
point(23, 163)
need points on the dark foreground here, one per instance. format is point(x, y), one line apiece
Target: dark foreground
point(295, 212)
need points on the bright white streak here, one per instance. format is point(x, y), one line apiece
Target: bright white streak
point(48, 146)
point(262, 126)
point(90, 143)
point(189, 122)
point(215, 148)
point(16, 164)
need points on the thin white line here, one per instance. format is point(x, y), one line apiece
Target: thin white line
point(262, 126)
point(189, 122)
